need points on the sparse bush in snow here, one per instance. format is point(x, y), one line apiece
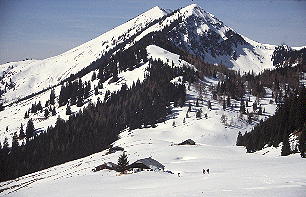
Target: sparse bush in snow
point(223, 119)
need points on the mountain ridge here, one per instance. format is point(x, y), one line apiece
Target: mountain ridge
point(200, 33)
point(73, 60)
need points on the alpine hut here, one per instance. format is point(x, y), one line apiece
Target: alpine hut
point(147, 163)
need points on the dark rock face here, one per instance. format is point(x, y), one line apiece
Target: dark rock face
point(209, 45)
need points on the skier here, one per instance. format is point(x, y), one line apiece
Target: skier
point(203, 171)
point(207, 171)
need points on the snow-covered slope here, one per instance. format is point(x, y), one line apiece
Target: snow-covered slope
point(13, 116)
point(32, 76)
point(254, 174)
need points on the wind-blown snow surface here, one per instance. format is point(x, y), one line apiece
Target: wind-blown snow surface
point(232, 171)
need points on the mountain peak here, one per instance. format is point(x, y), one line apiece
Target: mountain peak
point(193, 6)
point(156, 11)
point(191, 9)
point(197, 11)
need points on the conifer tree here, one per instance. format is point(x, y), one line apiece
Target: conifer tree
point(94, 76)
point(96, 90)
point(46, 114)
point(100, 84)
point(53, 111)
point(302, 143)
point(209, 104)
point(87, 89)
point(123, 163)
point(1, 105)
point(115, 74)
point(5, 145)
point(68, 110)
point(30, 129)
point(242, 107)
point(15, 143)
point(286, 146)
point(239, 139)
point(250, 117)
point(80, 101)
point(52, 97)
point(21, 132)
point(254, 106)
point(26, 115)
point(199, 114)
point(62, 98)
point(228, 101)
point(39, 106)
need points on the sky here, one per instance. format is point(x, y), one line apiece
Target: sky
point(43, 28)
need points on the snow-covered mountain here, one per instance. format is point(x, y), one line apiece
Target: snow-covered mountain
point(196, 33)
point(202, 34)
point(190, 28)
point(32, 76)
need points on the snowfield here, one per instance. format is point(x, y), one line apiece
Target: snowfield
point(232, 171)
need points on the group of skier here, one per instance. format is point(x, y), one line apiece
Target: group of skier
point(205, 171)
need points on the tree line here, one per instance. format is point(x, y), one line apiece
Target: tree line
point(98, 125)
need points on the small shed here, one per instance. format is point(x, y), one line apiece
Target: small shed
point(147, 163)
point(187, 142)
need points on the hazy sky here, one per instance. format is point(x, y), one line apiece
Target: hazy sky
point(44, 28)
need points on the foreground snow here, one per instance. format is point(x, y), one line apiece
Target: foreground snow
point(232, 171)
